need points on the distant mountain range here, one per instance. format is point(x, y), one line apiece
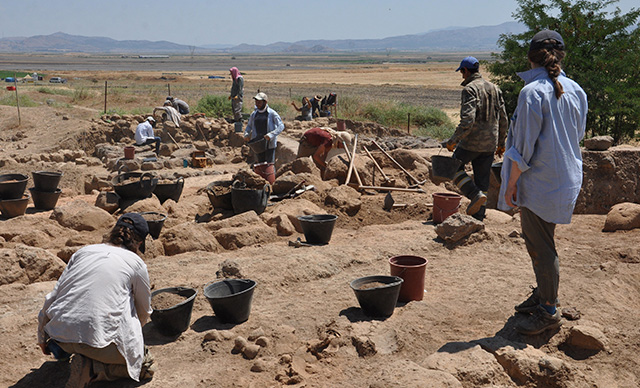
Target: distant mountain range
point(483, 38)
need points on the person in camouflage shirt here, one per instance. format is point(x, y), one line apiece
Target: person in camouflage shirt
point(480, 134)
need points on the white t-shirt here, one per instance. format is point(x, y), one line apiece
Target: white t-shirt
point(102, 297)
point(144, 131)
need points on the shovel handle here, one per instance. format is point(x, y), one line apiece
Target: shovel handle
point(396, 162)
point(375, 163)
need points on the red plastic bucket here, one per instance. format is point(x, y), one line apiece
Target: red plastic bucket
point(444, 205)
point(412, 270)
point(129, 152)
point(267, 171)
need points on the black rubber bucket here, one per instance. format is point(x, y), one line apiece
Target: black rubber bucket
point(141, 185)
point(496, 169)
point(155, 221)
point(12, 186)
point(378, 294)
point(166, 191)
point(44, 200)
point(219, 194)
point(443, 168)
point(244, 199)
point(176, 319)
point(46, 180)
point(258, 145)
point(14, 207)
point(317, 228)
point(231, 299)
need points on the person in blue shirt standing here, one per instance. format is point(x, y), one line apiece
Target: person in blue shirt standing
point(265, 123)
point(542, 170)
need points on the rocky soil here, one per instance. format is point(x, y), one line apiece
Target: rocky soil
point(306, 328)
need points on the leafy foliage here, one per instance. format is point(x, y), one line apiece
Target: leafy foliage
point(214, 106)
point(602, 56)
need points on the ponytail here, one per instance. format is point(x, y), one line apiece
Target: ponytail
point(126, 237)
point(551, 59)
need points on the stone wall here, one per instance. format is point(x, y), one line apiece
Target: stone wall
point(610, 177)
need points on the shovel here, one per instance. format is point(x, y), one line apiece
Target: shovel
point(389, 203)
point(417, 182)
point(387, 182)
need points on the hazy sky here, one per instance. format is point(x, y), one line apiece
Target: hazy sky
point(202, 22)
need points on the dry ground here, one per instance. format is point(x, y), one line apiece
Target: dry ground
point(303, 294)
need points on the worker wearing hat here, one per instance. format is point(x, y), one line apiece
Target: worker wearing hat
point(264, 123)
point(96, 310)
point(144, 134)
point(317, 142)
point(481, 133)
point(542, 171)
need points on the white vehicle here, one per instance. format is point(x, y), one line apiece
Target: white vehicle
point(57, 80)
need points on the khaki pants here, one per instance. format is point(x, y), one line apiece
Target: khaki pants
point(107, 363)
point(539, 240)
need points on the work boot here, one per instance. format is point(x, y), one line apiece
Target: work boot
point(476, 203)
point(531, 304)
point(80, 372)
point(539, 322)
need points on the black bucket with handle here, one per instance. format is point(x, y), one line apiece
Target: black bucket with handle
point(245, 199)
point(443, 168)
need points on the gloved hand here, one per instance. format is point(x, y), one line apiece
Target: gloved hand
point(449, 144)
point(500, 151)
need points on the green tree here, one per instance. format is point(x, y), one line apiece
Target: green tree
point(603, 54)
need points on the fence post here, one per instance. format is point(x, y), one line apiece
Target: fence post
point(409, 123)
point(15, 85)
point(169, 89)
point(105, 97)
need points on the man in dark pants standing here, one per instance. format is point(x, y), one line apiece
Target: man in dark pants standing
point(480, 134)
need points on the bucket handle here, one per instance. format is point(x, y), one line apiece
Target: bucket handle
point(150, 175)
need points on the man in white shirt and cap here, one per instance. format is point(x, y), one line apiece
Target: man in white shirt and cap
point(144, 134)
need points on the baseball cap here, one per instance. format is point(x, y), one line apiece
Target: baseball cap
point(537, 42)
point(151, 119)
point(137, 223)
point(469, 63)
point(260, 96)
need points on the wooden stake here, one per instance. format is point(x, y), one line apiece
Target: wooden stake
point(15, 85)
point(351, 164)
point(355, 169)
point(105, 97)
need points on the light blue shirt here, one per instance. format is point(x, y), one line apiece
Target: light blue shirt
point(274, 127)
point(544, 140)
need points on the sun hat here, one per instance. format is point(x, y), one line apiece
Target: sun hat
point(260, 96)
point(538, 40)
point(469, 63)
point(137, 223)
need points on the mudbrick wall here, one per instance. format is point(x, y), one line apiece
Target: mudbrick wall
point(610, 177)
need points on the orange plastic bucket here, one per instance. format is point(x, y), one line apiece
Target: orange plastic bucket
point(129, 152)
point(267, 171)
point(444, 205)
point(412, 270)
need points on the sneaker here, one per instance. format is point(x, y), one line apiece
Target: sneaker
point(531, 304)
point(476, 203)
point(539, 322)
point(80, 374)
